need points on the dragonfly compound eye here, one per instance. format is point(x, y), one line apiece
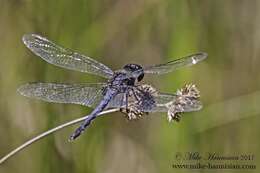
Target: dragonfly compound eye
point(140, 77)
point(135, 68)
point(132, 67)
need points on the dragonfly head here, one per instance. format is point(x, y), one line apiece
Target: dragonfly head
point(136, 70)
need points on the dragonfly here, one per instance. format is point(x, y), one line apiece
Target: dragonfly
point(121, 85)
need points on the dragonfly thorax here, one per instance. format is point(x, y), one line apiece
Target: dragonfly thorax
point(120, 79)
point(130, 74)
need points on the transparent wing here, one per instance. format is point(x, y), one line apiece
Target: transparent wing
point(83, 94)
point(63, 57)
point(163, 99)
point(158, 103)
point(176, 64)
point(118, 101)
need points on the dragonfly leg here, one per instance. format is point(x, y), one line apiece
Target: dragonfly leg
point(126, 103)
point(134, 93)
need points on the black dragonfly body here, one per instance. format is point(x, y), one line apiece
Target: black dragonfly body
point(101, 96)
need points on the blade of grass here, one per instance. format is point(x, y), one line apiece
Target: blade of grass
point(48, 132)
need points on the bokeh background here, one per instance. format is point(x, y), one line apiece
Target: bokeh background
point(116, 32)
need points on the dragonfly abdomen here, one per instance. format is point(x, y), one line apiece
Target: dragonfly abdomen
point(101, 106)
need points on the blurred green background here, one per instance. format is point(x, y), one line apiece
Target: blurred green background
point(116, 32)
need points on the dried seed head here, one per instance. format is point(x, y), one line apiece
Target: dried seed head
point(148, 89)
point(141, 97)
point(189, 90)
point(132, 112)
point(142, 100)
point(186, 97)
